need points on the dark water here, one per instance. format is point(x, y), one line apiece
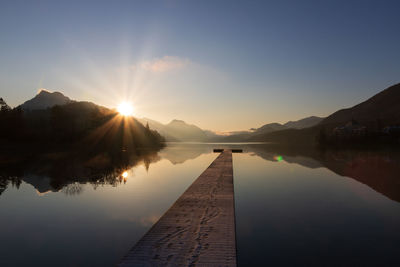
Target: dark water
point(293, 208)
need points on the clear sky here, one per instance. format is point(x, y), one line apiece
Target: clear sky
point(222, 65)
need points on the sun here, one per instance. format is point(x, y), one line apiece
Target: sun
point(125, 109)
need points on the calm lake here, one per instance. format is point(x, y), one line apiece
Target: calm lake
point(293, 208)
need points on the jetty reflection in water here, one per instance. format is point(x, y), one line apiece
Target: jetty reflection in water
point(293, 207)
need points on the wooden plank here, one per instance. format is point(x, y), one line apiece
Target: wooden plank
point(199, 228)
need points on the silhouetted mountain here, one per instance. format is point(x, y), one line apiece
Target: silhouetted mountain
point(304, 123)
point(361, 124)
point(45, 99)
point(76, 125)
point(381, 110)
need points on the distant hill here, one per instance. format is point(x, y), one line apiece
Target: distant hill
point(185, 132)
point(159, 127)
point(178, 130)
point(45, 99)
point(270, 127)
point(256, 133)
point(212, 136)
point(304, 123)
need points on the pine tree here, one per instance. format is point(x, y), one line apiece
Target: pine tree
point(4, 106)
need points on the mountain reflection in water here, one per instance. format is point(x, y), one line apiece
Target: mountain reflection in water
point(377, 169)
point(53, 172)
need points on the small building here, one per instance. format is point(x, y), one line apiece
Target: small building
point(350, 129)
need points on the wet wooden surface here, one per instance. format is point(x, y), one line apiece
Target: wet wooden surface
point(199, 228)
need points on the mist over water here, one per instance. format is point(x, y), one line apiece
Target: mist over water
point(293, 207)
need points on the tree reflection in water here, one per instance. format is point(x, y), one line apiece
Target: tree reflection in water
point(69, 171)
point(72, 189)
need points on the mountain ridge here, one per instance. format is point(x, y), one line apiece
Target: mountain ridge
point(46, 99)
point(52, 120)
point(372, 116)
point(382, 106)
point(268, 128)
point(304, 123)
point(178, 130)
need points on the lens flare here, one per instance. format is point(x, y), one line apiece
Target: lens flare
point(278, 158)
point(124, 174)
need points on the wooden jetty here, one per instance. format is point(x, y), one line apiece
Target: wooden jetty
point(199, 228)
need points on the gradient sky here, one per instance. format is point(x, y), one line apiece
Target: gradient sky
point(222, 65)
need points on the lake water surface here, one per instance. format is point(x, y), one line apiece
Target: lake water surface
point(302, 208)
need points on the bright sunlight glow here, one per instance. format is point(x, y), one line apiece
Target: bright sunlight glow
point(125, 109)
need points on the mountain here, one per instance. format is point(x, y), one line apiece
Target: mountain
point(299, 124)
point(159, 127)
point(185, 132)
point(77, 126)
point(45, 99)
point(178, 130)
point(304, 123)
point(212, 136)
point(381, 110)
point(256, 133)
point(270, 127)
point(374, 114)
